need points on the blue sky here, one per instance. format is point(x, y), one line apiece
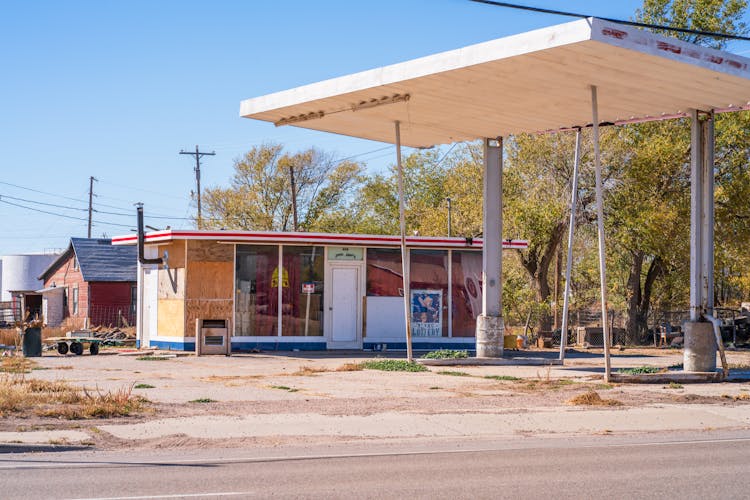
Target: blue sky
point(117, 89)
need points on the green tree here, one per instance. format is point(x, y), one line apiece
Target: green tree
point(259, 196)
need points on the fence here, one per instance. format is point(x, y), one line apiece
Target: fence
point(112, 315)
point(10, 314)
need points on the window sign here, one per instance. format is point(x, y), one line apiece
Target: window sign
point(308, 287)
point(426, 313)
point(346, 253)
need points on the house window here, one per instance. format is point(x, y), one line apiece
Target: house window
point(75, 263)
point(75, 299)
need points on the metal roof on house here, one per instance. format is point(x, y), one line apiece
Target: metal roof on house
point(535, 81)
point(99, 260)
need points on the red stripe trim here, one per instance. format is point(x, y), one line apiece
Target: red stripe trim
point(240, 236)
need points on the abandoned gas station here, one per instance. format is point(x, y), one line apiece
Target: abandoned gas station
point(586, 73)
point(308, 291)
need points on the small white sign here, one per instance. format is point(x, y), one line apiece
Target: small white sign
point(308, 287)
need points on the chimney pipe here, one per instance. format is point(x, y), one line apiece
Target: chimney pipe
point(141, 238)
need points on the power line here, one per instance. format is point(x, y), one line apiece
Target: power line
point(42, 192)
point(63, 215)
point(42, 203)
point(541, 10)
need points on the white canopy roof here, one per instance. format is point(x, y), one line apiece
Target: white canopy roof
point(535, 81)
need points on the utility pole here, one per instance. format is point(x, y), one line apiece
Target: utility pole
point(449, 216)
point(198, 155)
point(294, 198)
point(91, 201)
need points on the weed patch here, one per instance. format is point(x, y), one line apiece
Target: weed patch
point(454, 374)
point(640, 370)
point(143, 386)
point(284, 388)
point(203, 400)
point(508, 378)
point(152, 358)
point(393, 365)
point(446, 354)
point(592, 398)
point(673, 385)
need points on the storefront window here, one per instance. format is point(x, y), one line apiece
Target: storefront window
point(466, 292)
point(257, 290)
point(302, 291)
point(428, 291)
point(384, 274)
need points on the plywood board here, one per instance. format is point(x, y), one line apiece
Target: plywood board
point(207, 309)
point(210, 280)
point(209, 251)
point(171, 318)
point(176, 251)
point(172, 283)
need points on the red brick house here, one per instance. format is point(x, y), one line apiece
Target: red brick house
point(91, 283)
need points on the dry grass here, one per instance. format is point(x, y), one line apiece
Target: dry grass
point(592, 398)
point(9, 336)
point(58, 399)
point(308, 371)
point(739, 397)
point(350, 367)
point(16, 364)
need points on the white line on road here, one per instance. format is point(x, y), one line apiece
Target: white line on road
point(176, 495)
point(178, 462)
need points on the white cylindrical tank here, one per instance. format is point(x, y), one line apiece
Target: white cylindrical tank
point(20, 272)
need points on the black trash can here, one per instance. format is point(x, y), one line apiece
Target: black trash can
point(32, 342)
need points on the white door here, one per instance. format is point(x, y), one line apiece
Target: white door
point(346, 332)
point(150, 298)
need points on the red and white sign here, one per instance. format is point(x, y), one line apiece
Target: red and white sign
point(308, 287)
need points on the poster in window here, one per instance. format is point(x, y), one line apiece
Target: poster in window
point(426, 313)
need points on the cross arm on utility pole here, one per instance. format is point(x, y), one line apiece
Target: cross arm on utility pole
point(198, 154)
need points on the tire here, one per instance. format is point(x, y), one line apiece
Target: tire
point(94, 348)
point(62, 348)
point(76, 348)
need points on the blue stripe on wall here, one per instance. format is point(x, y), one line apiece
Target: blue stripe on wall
point(311, 346)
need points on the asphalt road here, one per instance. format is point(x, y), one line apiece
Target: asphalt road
point(681, 466)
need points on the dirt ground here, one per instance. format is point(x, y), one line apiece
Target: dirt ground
point(322, 384)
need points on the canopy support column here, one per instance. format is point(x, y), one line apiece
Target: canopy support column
point(490, 322)
point(571, 230)
point(404, 252)
point(600, 230)
point(700, 345)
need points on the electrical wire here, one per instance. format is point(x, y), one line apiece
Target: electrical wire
point(42, 203)
point(636, 24)
point(63, 215)
point(42, 192)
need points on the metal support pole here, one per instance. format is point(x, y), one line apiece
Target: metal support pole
point(600, 231)
point(696, 217)
point(490, 323)
point(707, 217)
point(699, 353)
point(571, 229)
point(404, 253)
